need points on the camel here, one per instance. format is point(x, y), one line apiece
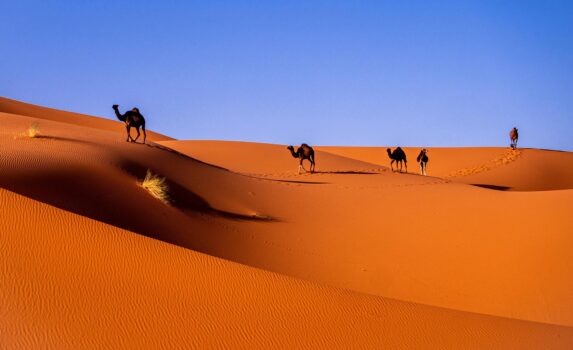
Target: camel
point(397, 156)
point(423, 160)
point(132, 119)
point(513, 136)
point(302, 153)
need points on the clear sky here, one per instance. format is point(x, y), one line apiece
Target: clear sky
point(418, 73)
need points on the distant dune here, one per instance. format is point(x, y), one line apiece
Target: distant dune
point(43, 113)
point(250, 254)
point(498, 168)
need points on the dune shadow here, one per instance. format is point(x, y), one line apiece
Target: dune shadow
point(180, 154)
point(547, 149)
point(348, 172)
point(63, 138)
point(493, 187)
point(301, 182)
point(123, 204)
point(287, 181)
point(185, 200)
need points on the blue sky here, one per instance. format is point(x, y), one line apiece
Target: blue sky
point(411, 73)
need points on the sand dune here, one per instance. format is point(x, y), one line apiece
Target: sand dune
point(344, 257)
point(73, 282)
point(422, 239)
point(268, 160)
point(43, 113)
point(498, 168)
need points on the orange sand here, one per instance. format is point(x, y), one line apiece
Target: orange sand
point(353, 256)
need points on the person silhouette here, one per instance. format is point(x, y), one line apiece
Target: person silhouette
point(423, 160)
point(513, 136)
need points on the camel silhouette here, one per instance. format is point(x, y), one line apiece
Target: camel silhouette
point(302, 153)
point(423, 160)
point(397, 156)
point(513, 136)
point(132, 119)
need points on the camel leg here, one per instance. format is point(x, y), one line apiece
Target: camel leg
point(137, 129)
point(144, 134)
point(392, 164)
point(128, 129)
point(302, 165)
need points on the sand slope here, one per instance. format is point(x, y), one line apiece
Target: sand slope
point(43, 113)
point(105, 263)
point(266, 160)
point(493, 167)
point(422, 239)
point(73, 282)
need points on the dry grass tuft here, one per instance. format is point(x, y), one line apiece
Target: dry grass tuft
point(33, 130)
point(156, 186)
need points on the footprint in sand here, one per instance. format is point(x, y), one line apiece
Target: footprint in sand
point(504, 159)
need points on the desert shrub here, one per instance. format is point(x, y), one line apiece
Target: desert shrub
point(156, 186)
point(33, 130)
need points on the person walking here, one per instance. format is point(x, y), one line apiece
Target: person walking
point(513, 136)
point(423, 160)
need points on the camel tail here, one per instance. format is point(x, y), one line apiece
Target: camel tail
point(144, 133)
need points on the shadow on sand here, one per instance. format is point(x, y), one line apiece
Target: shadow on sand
point(348, 172)
point(493, 187)
point(117, 202)
point(65, 139)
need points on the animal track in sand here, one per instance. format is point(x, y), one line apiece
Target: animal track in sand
point(507, 158)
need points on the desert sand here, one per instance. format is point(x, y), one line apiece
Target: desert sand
point(250, 254)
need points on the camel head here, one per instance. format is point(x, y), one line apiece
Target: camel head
point(291, 149)
point(115, 106)
point(389, 151)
